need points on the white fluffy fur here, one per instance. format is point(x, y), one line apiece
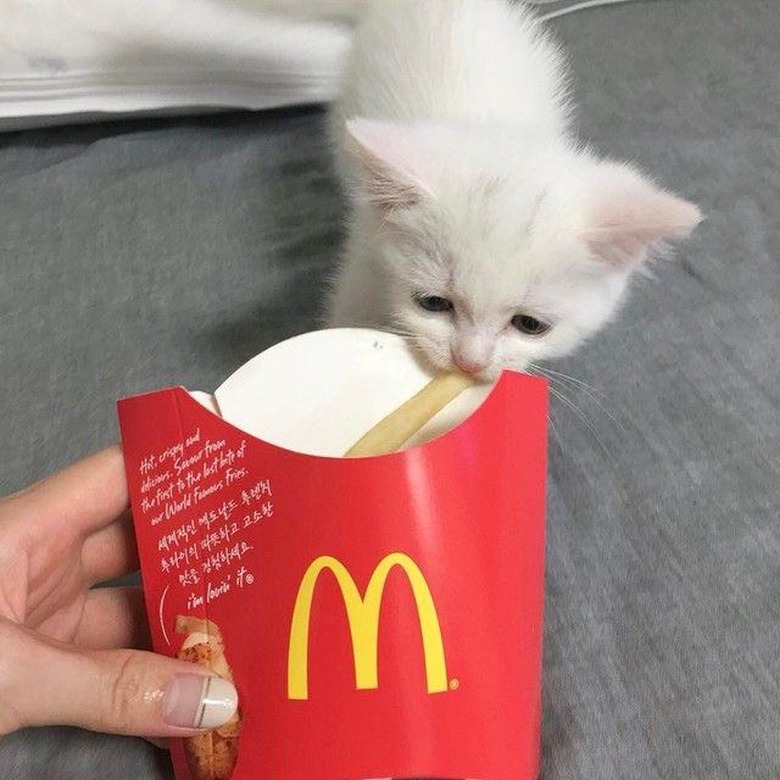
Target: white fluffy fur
point(453, 140)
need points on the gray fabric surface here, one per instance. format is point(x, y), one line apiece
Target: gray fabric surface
point(142, 254)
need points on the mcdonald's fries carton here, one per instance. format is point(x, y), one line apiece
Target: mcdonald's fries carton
point(381, 617)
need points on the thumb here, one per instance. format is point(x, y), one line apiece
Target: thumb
point(117, 691)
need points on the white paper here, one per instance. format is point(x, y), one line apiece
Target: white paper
point(320, 392)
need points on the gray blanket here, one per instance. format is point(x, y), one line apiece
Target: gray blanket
point(140, 254)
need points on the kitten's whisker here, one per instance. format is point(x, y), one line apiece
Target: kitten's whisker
point(416, 342)
point(554, 430)
point(412, 339)
point(410, 336)
point(532, 368)
point(595, 394)
point(584, 420)
point(591, 392)
point(405, 334)
point(383, 329)
point(572, 379)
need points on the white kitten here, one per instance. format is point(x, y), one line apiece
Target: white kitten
point(478, 224)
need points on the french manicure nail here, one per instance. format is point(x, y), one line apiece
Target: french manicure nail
point(197, 701)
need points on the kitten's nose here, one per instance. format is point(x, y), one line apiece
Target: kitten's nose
point(469, 363)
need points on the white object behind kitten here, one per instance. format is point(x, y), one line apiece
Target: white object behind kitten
point(479, 226)
point(339, 10)
point(61, 59)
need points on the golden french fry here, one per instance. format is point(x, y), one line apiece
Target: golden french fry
point(392, 432)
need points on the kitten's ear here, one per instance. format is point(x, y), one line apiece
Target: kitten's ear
point(626, 216)
point(393, 162)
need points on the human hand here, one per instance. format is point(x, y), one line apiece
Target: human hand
point(62, 658)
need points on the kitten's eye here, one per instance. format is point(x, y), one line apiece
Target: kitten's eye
point(434, 303)
point(530, 325)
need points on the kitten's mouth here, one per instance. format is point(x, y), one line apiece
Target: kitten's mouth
point(485, 375)
point(433, 362)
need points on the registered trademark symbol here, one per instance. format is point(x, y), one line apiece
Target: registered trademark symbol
point(454, 684)
point(249, 579)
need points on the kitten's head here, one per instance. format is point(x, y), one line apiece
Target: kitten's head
point(499, 250)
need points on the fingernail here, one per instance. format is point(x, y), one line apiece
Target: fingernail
point(197, 701)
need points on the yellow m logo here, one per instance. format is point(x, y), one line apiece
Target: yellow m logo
point(363, 617)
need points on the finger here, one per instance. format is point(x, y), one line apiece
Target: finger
point(114, 618)
point(116, 691)
point(83, 497)
point(110, 552)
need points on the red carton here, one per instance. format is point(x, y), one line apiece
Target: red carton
point(380, 617)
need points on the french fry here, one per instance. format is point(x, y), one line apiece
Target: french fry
point(213, 755)
point(393, 431)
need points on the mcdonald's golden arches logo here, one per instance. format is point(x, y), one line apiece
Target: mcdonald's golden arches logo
point(363, 618)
